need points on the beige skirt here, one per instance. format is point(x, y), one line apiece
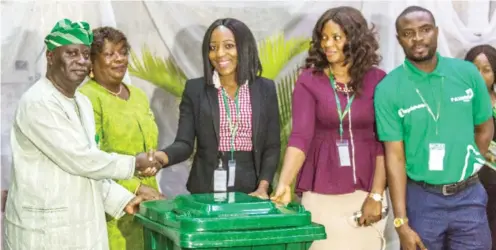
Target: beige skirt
point(335, 213)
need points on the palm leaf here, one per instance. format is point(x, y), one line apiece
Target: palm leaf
point(163, 73)
point(285, 96)
point(285, 88)
point(275, 52)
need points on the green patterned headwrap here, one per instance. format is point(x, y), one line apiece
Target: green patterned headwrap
point(66, 32)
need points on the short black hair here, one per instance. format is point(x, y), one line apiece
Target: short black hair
point(249, 65)
point(411, 9)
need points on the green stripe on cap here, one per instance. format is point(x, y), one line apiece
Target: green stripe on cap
point(66, 32)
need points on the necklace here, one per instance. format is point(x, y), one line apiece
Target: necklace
point(115, 94)
point(344, 89)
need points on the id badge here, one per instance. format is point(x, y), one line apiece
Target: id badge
point(436, 156)
point(220, 197)
point(232, 197)
point(344, 153)
point(232, 173)
point(220, 180)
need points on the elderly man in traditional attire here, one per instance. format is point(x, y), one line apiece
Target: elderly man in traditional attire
point(61, 182)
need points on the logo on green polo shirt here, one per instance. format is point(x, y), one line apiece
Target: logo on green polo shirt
point(403, 112)
point(464, 98)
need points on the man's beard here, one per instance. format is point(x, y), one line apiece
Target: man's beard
point(430, 54)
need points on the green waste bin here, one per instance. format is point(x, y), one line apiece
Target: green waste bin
point(226, 221)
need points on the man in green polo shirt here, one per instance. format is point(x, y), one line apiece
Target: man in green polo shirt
point(434, 115)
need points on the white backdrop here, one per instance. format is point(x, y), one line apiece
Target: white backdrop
point(176, 29)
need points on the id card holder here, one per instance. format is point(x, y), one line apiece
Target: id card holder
point(220, 180)
point(436, 156)
point(344, 153)
point(232, 173)
point(220, 197)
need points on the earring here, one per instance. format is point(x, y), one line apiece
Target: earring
point(91, 75)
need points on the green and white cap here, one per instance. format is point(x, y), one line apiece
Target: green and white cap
point(66, 32)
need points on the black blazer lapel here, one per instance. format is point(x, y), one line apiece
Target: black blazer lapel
point(214, 106)
point(256, 100)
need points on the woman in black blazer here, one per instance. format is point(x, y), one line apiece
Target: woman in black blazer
point(233, 114)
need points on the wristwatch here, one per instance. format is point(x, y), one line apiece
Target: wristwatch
point(398, 222)
point(376, 197)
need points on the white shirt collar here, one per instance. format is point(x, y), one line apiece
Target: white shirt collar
point(216, 80)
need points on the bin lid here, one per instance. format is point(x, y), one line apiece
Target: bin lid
point(223, 212)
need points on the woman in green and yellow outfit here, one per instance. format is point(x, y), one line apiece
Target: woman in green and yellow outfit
point(124, 124)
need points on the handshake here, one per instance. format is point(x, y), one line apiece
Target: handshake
point(148, 164)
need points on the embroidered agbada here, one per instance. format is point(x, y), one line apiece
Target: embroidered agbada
point(61, 187)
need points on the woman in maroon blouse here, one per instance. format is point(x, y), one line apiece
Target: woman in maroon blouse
point(333, 144)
